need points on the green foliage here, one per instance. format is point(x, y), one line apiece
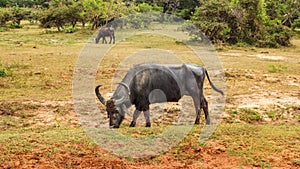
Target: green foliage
point(262, 11)
point(262, 23)
point(15, 26)
point(5, 16)
point(19, 14)
point(250, 115)
point(15, 15)
point(272, 68)
point(70, 29)
point(273, 115)
point(296, 162)
point(141, 21)
point(245, 115)
point(241, 21)
point(296, 24)
point(144, 7)
point(3, 70)
point(215, 20)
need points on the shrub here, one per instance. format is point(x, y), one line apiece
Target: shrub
point(249, 115)
point(5, 16)
point(140, 21)
point(144, 7)
point(70, 29)
point(243, 21)
point(276, 68)
point(3, 71)
point(15, 26)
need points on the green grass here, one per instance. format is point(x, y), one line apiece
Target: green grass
point(250, 115)
point(38, 63)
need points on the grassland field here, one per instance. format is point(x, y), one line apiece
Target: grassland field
point(39, 127)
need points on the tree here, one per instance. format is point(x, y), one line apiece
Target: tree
point(283, 11)
point(240, 21)
point(182, 8)
point(95, 10)
point(18, 14)
point(5, 16)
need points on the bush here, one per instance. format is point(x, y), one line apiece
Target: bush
point(2, 29)
point(140, 21)
point(249, 115)
point(15, 26)
point(276, 68)
point(5, 16)
point(245, 21)
point(143, 7)
point(70, 29)
point(3, 71)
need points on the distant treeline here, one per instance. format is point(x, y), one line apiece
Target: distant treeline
point(264, 23)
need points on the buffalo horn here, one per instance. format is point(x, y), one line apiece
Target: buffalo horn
point(126, 87)
point(120, 101)
point(99, 96)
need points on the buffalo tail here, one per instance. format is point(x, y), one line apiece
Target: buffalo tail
point(212, 85)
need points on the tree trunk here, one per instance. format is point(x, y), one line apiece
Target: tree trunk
point(174, 7)
point(74, 24)
point(95, 22)
point(165, 9)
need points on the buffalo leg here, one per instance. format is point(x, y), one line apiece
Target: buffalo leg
point(197, 108)
point(110, 39)
point(205, 109)
point(113, 36)
point(104, 40)
point(147, 117)
point(136, 114)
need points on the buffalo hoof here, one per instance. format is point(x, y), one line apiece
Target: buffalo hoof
point(148, 124)
point(132, 124)
point(207, 122)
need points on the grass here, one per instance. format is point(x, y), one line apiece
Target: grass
point(37, 65)
point(257, 145)
point(250, 115)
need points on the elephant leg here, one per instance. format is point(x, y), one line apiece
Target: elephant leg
point(136, 114)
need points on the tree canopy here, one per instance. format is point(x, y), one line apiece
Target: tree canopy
point(266, 23)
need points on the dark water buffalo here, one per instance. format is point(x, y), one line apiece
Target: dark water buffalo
point(170, 82)
point(105, 32)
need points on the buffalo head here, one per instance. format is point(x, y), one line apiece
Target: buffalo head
point(115, 107)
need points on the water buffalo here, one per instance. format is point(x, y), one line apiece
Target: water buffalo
point(104, 32)
point(137, 87)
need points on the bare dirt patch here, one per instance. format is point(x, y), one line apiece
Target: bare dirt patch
point(37, 113)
